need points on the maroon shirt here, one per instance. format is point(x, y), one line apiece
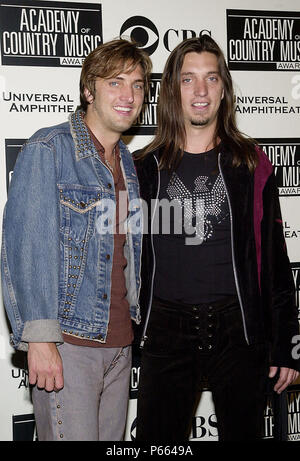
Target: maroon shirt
point(120, 333)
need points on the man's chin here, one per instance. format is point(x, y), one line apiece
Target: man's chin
point(198, 122)
point(123, 126)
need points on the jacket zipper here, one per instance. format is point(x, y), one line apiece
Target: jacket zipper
point(144, 337)
point(232, 252)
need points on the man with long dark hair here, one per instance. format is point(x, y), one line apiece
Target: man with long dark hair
point(217, 294)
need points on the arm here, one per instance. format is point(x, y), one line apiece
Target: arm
point(284, 315)
point(30, 248)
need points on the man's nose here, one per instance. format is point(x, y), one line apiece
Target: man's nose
point(127, 94)
point(200, 88)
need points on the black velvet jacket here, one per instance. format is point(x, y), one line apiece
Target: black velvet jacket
point(263, 276)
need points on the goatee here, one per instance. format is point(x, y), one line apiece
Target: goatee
point(199, 122)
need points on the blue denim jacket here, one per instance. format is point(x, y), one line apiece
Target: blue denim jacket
point(56, 258)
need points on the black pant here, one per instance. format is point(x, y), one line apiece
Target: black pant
point(186, 347)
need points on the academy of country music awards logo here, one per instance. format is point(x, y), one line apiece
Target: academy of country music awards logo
point(263, 40)
point(54, 34)
point(284, 154)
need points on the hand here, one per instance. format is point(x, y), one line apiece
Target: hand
point(286, 377)
point(45, 366)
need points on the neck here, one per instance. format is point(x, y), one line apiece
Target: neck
point(200, 140)
point(107, 139)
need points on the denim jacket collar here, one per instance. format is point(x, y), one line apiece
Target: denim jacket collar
point(84, 146)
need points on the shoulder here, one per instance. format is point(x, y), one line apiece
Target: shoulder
point(47, 134)
point(264, 167)
point(145, 161)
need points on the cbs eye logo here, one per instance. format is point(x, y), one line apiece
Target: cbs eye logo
point(143, 32)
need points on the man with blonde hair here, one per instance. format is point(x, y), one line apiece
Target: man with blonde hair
point(70, 281)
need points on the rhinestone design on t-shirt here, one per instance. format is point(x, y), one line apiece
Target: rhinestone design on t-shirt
point(203, 206)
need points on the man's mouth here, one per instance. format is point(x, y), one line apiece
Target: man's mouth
point(123, 109)
point(200, 104)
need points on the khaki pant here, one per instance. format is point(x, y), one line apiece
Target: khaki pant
point(93, 403)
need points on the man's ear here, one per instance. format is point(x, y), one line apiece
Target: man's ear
point(89, 97)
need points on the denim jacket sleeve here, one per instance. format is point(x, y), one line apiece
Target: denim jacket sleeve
point(30, 248)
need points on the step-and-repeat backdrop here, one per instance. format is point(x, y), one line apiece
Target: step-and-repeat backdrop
point(43, 45)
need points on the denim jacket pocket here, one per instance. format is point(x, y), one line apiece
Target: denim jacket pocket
point(78, 208)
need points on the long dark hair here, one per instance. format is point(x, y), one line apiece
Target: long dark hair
point(170, 134)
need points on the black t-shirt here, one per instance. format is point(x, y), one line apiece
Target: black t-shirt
point(192, 233)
